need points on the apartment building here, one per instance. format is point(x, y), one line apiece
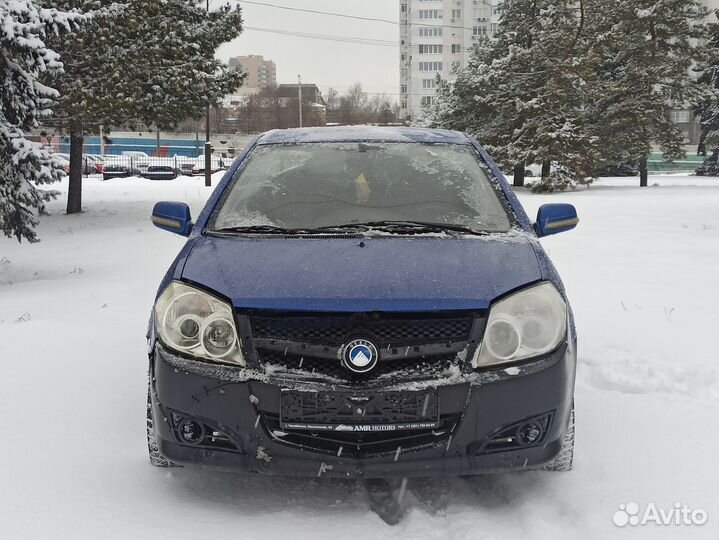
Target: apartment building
point(261, 73)
point(435, 38)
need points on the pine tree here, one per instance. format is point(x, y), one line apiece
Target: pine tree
point(646, 50)
point(707, 109)
point(24, 102)
point(149, 62)
point(522, 95)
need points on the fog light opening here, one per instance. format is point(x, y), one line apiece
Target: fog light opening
point(191, 432)
point(529, 433)
point(523, 434)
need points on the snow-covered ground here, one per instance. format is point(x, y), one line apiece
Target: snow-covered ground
point(642, 271)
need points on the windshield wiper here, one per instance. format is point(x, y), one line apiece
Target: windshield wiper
point(283, 231)
point(392, 227)
point(249, 229)
point(414, 227)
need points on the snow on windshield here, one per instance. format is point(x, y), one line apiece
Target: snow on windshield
point(327, 184)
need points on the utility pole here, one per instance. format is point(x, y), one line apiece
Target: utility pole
point(102, 141)
point(299, 91)
point(208, 145)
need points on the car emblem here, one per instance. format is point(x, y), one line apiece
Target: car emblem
point(360, 356)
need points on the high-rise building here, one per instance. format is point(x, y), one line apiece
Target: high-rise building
point(436, 37)
point(261, 73)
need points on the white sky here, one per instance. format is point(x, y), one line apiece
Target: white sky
point(326, 63)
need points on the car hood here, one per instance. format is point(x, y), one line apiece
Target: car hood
point(370, 274)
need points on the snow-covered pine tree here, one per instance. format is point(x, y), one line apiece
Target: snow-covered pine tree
point(523, 95)
point(645, 50)
point(24, 102)
point(707, 108)
point(149, 62)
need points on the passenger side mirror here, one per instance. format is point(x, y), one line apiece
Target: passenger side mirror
point(555, 218)
point(172, 216)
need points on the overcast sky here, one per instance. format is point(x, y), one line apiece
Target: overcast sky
point(326, 63)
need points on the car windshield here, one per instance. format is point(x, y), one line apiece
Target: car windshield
point(325, 185)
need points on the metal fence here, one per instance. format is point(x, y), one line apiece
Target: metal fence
point(156, 167)
point(688, 165)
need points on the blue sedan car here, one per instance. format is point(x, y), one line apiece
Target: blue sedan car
point(362, 303)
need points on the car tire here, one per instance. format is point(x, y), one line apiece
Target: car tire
point(565, 458)
point(156, 457)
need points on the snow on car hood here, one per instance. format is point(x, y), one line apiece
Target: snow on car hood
point(350, 274)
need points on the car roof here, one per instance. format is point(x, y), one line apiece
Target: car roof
point(362, 134)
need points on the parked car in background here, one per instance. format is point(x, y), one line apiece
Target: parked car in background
point(366, 303)
point(185, 165)
point(64, 160)
point(99, 164)
point(620, 169)
point(115, 170)
point(218, 164)
point(160, 172)
point(139, 161)
point(122, 161)
point(91, 164)
point(530, 171)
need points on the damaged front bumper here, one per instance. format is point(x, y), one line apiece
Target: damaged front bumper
point(229, 418)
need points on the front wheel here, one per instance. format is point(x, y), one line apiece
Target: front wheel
point(156, 457)
point(565, 458)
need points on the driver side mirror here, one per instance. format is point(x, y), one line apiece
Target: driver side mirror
point(173, 216)
point(555, 219)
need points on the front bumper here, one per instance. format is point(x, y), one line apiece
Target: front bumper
point(241, 408)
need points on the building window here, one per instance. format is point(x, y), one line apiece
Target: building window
point(681, 117)
point(429, 84)
point(480, 13)
point(456, 13)
point(430, 66)
point(456, 48)
point(497, 10)
point(403, 57)
point(430, 13)
point(404, 8)
point(430, 49)
point(427, 100)
point(456, 65)
point(479, 31)
point(493, 28)
point(430, 31)
point(403, 89)
point(403, 105)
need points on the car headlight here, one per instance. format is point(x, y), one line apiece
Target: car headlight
point(528, 323)
point(192, 321)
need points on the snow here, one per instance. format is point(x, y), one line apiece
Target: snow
point(365, 133)
point(641, 271)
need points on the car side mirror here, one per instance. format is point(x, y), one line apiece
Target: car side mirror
point(173, 216)
point(555, 219)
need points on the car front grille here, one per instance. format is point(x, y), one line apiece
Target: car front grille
point(385, 329)
point(411, 345)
